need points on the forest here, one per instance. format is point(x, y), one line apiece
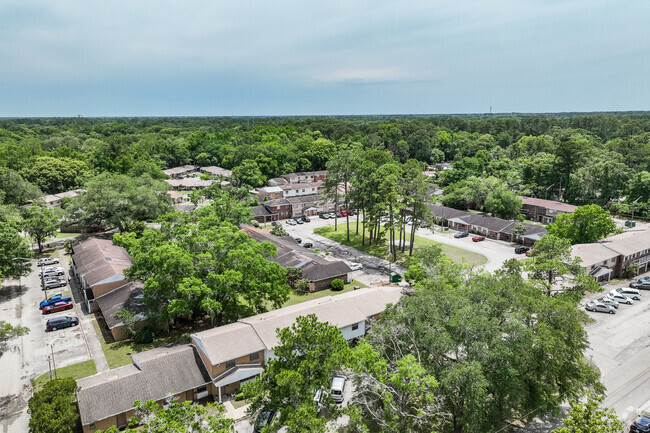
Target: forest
point(599, 159)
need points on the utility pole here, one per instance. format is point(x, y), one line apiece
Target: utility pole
point(49, 367)
point(53, 363)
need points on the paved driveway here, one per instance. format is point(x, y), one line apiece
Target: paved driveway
point(27, 356)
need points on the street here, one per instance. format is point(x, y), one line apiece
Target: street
point(27, 357)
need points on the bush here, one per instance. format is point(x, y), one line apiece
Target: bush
point(337, 284)
point(255, 223)
point(186, 338)
point(278, 231)
point(302, 286)
point(144, 336)
point(630, 271)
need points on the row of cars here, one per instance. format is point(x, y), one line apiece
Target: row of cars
point(622, 295)
point(54, 277)
point(459, 235)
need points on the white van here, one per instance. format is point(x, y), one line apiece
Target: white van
point(338, 388)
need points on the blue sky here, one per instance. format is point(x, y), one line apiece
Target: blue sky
point(285, 57)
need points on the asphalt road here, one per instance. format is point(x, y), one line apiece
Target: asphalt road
point(620, 347)
point(27, 357)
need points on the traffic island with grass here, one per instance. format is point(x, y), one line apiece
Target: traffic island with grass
point(381, 249)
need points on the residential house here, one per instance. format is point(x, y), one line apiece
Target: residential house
point(263, 215)
point(182, 171)
point(544, 211)
point(55, 200)
point(106, 399)
point(268, 192)
point(277, 181)
point(218, 361)
point(301, 189)
point(98, 265)
point(310, 205)
point(610, 257)
point(189, 183)
point(217, 172)
point(177, 197)
point(306, 176)
point(318, 271)
point(128, 296)
point(280, 206)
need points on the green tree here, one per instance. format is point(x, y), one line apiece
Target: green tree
point(306, 357)
point(53, 409)
point(175, 417)
point(16, 190)
point(293, 276)
point(119, 200)
point(248, 175)
point(40, 222)
point(7, 332)
point(503, 203)
point(398, 397)
point(585, 225)
point(518, 231)
point(54, 175)
point(12, 247)
point(278, 231)
point(590, 417)
point(129, 319)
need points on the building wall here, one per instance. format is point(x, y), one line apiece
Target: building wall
point(349, 333)
point(102, 289)
point(314, 286)
point(221, 368)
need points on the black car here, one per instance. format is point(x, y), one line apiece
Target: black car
point(299, 240)
point(275, 223)
point(306, 219)
point(521, 250)
point(641, 424)
point(461, 234)
point(263, 419)
point(307, 245)
point(61, 322)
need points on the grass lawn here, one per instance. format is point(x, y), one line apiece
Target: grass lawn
point(240, 403)
point(118, 353)
point(75, 371)
point(381, 250)
point(60, 235)
point(297, 299)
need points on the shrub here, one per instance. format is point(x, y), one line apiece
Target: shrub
point(186, 338)
point(302, 286)
point(630, 271)
point(337, 284)
point(144, 336)
point(255, 223)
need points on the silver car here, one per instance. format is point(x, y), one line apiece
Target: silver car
point(621, 299)
point(599, 306)
point(47, 261)
point(605, 300)
point(53, 283)
point(629, 292)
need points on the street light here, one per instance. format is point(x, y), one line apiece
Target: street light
point(20, 276)
point(546, 195)
point(634, 202)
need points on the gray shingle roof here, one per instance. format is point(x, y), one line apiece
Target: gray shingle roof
point(154, 374)
point(128, 296)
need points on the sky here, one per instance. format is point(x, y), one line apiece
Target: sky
point(303, 57)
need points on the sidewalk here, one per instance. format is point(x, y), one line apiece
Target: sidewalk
point(231, 412)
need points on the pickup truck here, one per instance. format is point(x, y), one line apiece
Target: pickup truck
point(53, 300)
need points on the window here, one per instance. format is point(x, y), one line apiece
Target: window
point(230, 364)
point(254, 356)
point(355, 326)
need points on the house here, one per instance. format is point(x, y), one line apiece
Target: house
point(544, 211)
point(98, 265)
point(301, 189)
point(129, 296)
point(305, 176)
point(217, 172)
point(219, 360)
point(318, 271)
point(263, 215)
point(55, 200)
point(280, 206)
point(268, 192)
point(610, 257)
point(310, 205)
point(177, 197)
point(189, 183)
point(182, 171)
point(106, 399)
point(277, 181)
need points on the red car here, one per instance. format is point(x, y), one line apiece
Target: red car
point(59, 306)
point(344, 213)
point(529, 253)
point(478, 238)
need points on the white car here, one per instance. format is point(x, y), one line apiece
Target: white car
point(337, 391)
point(52, 269)
point(291, 222)
point(621, 299)
point(629, 292)
point(47, 261)
point(355, 266)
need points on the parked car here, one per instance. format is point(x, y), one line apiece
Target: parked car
point(339, 215)
point(461, 234)
point(600, 307)
point(59, 306)
point(521, 250)
point(630, 293)
point(319, 395)
point(60, 323)
point(607, 301)
point(275, 223)
point(355, 266)
point(263, 419)
point(337, 390)
point(478, 238)
point(529, 253)
point(299, 240)
point(308, 245)
point(621, 299)
point(643, 285)
point(641, 424)
point(52, 268)
point(323, 216)
point(643, 279)
point(298, 220)
point(53, 300)
point(53, 284)
point(344, 213)
point(291, 222)
point(47, 261)
point(46, 275)
point(306, 219)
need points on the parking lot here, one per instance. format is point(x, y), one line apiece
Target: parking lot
point(27, 357)
point(620, 347)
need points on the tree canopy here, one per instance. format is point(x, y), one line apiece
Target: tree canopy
point(53, 409)
point(585, 225)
